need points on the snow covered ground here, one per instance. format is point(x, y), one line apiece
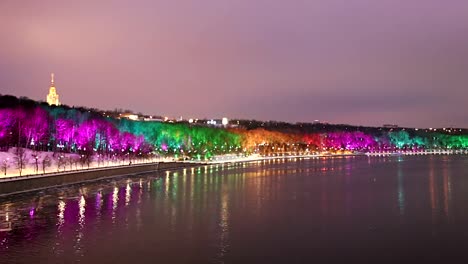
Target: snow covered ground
point(58, 162)
point(62, 162)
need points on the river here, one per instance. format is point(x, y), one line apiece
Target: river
point(322, 210)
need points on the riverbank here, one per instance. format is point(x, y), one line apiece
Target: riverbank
point(27, 183)
point(233, 158)
point(229, 159)
point(34, 182)
point(20, 184)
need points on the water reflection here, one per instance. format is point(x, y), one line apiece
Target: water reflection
point(82, 209)
point(447, 191)
point(61, 213)
point(127, 194)
point(115, 200)
point(224, 225)
point(433, 190)
point(401, 190)
point(98, 203)
point(81, 223)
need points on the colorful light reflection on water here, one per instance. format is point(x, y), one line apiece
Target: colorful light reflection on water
point(273, 210)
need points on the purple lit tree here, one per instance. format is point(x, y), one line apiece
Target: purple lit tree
point(8, 120)
point(65, 132)
point(86, 135)
point(34, 127)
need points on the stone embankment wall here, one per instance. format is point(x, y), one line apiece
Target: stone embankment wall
point(15, 185)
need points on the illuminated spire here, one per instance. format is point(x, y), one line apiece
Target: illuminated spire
point(52, 97)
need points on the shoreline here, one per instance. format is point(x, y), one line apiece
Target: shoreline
point(330, 155)
point(30, 183)
point(30, 172)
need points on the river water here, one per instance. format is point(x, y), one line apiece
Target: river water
point(322, 210)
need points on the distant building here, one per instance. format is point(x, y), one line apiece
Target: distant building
point(390, 126)
point(153, 118)
point(52, 97)
point(224, 122)
point(129, 116)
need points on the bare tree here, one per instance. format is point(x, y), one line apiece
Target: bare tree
point(82, 161)
point(86, 158)
point(69, 161)
point(100, 159)
point(72, 160)
point(5, 166)
point(35, 156)
point(61, 162)
point(76, 161)
point(20, 158)
point(45, 164)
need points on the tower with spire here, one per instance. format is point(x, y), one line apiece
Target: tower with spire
point(52, 97)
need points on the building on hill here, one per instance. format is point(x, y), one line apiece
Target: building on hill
point(52, 97)
point(390, 126)
point(129, 116)
point(224, 122)
point(153, 118)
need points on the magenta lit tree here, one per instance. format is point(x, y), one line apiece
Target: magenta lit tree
point(8, 120)
point(34, 127)
point(86, 135)
point(64, 131)
point(113, 139)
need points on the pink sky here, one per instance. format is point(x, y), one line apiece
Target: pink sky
point(356, 61)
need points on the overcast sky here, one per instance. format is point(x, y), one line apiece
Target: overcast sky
point(368, 62)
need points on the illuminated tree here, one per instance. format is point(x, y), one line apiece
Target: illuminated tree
point(34, 127)
point(400, 139)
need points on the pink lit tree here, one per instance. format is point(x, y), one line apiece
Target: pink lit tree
point(34, 127)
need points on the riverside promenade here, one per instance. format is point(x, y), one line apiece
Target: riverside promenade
point(20, 184)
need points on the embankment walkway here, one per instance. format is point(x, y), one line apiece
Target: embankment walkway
point(20, 184)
